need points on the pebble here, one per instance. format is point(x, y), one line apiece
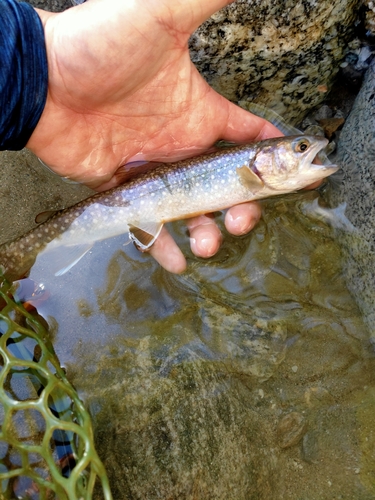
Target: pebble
point(310, 447)
point(318, 396)
point(291, 429)
point(323, 113)
point(330, 125)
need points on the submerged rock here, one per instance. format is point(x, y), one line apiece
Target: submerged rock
point(290, 429)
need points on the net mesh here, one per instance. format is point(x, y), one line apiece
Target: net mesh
point(46, 438)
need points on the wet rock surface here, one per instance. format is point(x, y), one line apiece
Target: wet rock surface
point(27, 189)
point(356, 189)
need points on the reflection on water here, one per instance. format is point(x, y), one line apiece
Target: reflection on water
point(249, 376)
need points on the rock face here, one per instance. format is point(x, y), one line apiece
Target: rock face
point(356, 156)
point(284, 55)
point(369, 16)
point(51, 5)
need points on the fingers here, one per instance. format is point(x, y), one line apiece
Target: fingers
point(188, 15)
point(314, 185)
point(205, 236)
point(166, 252)
point(241, 219)
point(242, 126)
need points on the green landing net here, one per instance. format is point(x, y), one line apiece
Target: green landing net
point(46, 439)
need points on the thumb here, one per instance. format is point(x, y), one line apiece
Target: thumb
point(187, 16)
point(242, 126)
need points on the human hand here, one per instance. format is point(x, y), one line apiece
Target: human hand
point(122, 87)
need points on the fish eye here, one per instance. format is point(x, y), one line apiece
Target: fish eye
point(302, 146)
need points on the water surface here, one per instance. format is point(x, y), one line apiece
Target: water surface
point(249, 376)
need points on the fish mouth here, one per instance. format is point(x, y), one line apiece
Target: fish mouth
point(318, 159)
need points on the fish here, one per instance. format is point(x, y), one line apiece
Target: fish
point(172, 191)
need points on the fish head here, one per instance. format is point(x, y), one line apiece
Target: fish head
point(286, 164)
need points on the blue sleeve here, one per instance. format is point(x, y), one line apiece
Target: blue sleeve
point(23, 73)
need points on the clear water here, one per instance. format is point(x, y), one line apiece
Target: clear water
point(250, 376)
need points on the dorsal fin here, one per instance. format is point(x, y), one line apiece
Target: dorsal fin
point(44, 216)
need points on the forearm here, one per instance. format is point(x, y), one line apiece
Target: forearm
point(23, 75)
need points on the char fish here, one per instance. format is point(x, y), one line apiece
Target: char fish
point(170, 192)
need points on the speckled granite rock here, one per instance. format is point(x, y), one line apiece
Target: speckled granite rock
point(356, 156)
point(51, 5)
point(281, 54)
point(369, 15)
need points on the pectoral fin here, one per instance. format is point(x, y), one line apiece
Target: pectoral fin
point(249, 179)
point(144, 234)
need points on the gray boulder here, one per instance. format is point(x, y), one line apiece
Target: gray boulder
point(356, 156)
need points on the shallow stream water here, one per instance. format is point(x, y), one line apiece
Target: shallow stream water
point(250, 376)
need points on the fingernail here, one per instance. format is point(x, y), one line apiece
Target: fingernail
point(240, 224)
point(208, 247)
point(204, 247)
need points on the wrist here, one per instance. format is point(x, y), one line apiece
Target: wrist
point(24, 81)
